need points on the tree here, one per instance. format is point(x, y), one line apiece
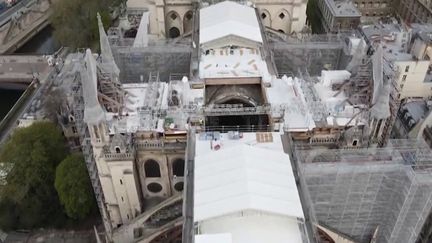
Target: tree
point(31, 156)
point(75, 23)
point(73, 187)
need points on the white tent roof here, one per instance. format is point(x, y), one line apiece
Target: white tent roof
point(244, 175)
point(228, 18)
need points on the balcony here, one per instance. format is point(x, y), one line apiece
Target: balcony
point(158, 144)
point(118, 157)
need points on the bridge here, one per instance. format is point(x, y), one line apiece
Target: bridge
point(36, 75)
point(21, 22)
point(18, 71)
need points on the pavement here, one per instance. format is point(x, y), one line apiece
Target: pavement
point(6, 14)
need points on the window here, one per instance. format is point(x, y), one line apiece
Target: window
point(151, 168)
point(179, 186)
point(404, 78)
point(121, 182)
point(188, 15)
point(122, 199)
point(154, 187)
point(354, 143)
point(117, 149)
point(173, 16)
point(178, 167)
point(281, 15)
point(96, 133)
point(407, 68)
point(263, 15)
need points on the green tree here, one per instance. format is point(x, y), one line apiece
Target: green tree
point(27, 195)
point(73, 187)
point(75, 23)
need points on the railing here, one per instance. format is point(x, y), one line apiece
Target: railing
point(251, 128)
point(158, 144)
point(118, 157)
point(227, 109)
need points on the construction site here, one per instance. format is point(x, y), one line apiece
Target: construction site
point(147, 113)
point(381, 194)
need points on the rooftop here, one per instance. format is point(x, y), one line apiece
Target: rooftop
point(140, 106)
point(228, 19)
point(343, 8)
point(232, 62)
point(245, 180)
point(393, 38)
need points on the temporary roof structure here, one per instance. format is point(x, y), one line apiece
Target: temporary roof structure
point(242, 176)
point(229, 19)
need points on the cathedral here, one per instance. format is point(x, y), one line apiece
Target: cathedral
point(136, 133)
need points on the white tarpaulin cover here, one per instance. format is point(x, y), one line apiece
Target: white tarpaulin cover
point(244, 175)
point(228, 18)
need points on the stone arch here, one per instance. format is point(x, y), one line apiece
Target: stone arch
point(152, 168)
point(265, 17)
point(237, 99)
point(178, 167)
point(282, 21)
point(187, 22)
point(173, 24)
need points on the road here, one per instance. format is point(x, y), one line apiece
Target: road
point(5, 15)
point(23, 64)
point(40, 89)
point(46, 79)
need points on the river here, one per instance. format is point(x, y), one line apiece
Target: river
point(41, 44)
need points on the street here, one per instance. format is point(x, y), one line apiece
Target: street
point(6, 13)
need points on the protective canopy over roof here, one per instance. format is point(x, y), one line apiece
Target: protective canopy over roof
point(93, 112)
point(141, 39)
point(244, 175)
point(227, 19)
point(381, 94)
point(107, 63)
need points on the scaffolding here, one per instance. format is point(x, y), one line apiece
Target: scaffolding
point(357, 191)
point(77, 108)
point(315, 52)
point(137, 63)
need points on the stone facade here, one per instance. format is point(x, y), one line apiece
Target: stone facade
point(172, 18)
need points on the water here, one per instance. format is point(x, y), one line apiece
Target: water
point(8, 99)
point(41, 44)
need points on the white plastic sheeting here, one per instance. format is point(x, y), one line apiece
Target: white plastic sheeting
point(244, 175)
point(228, 18)
point(381, 93)
point(93, 112)
point(107, 63)
point(141, 39)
